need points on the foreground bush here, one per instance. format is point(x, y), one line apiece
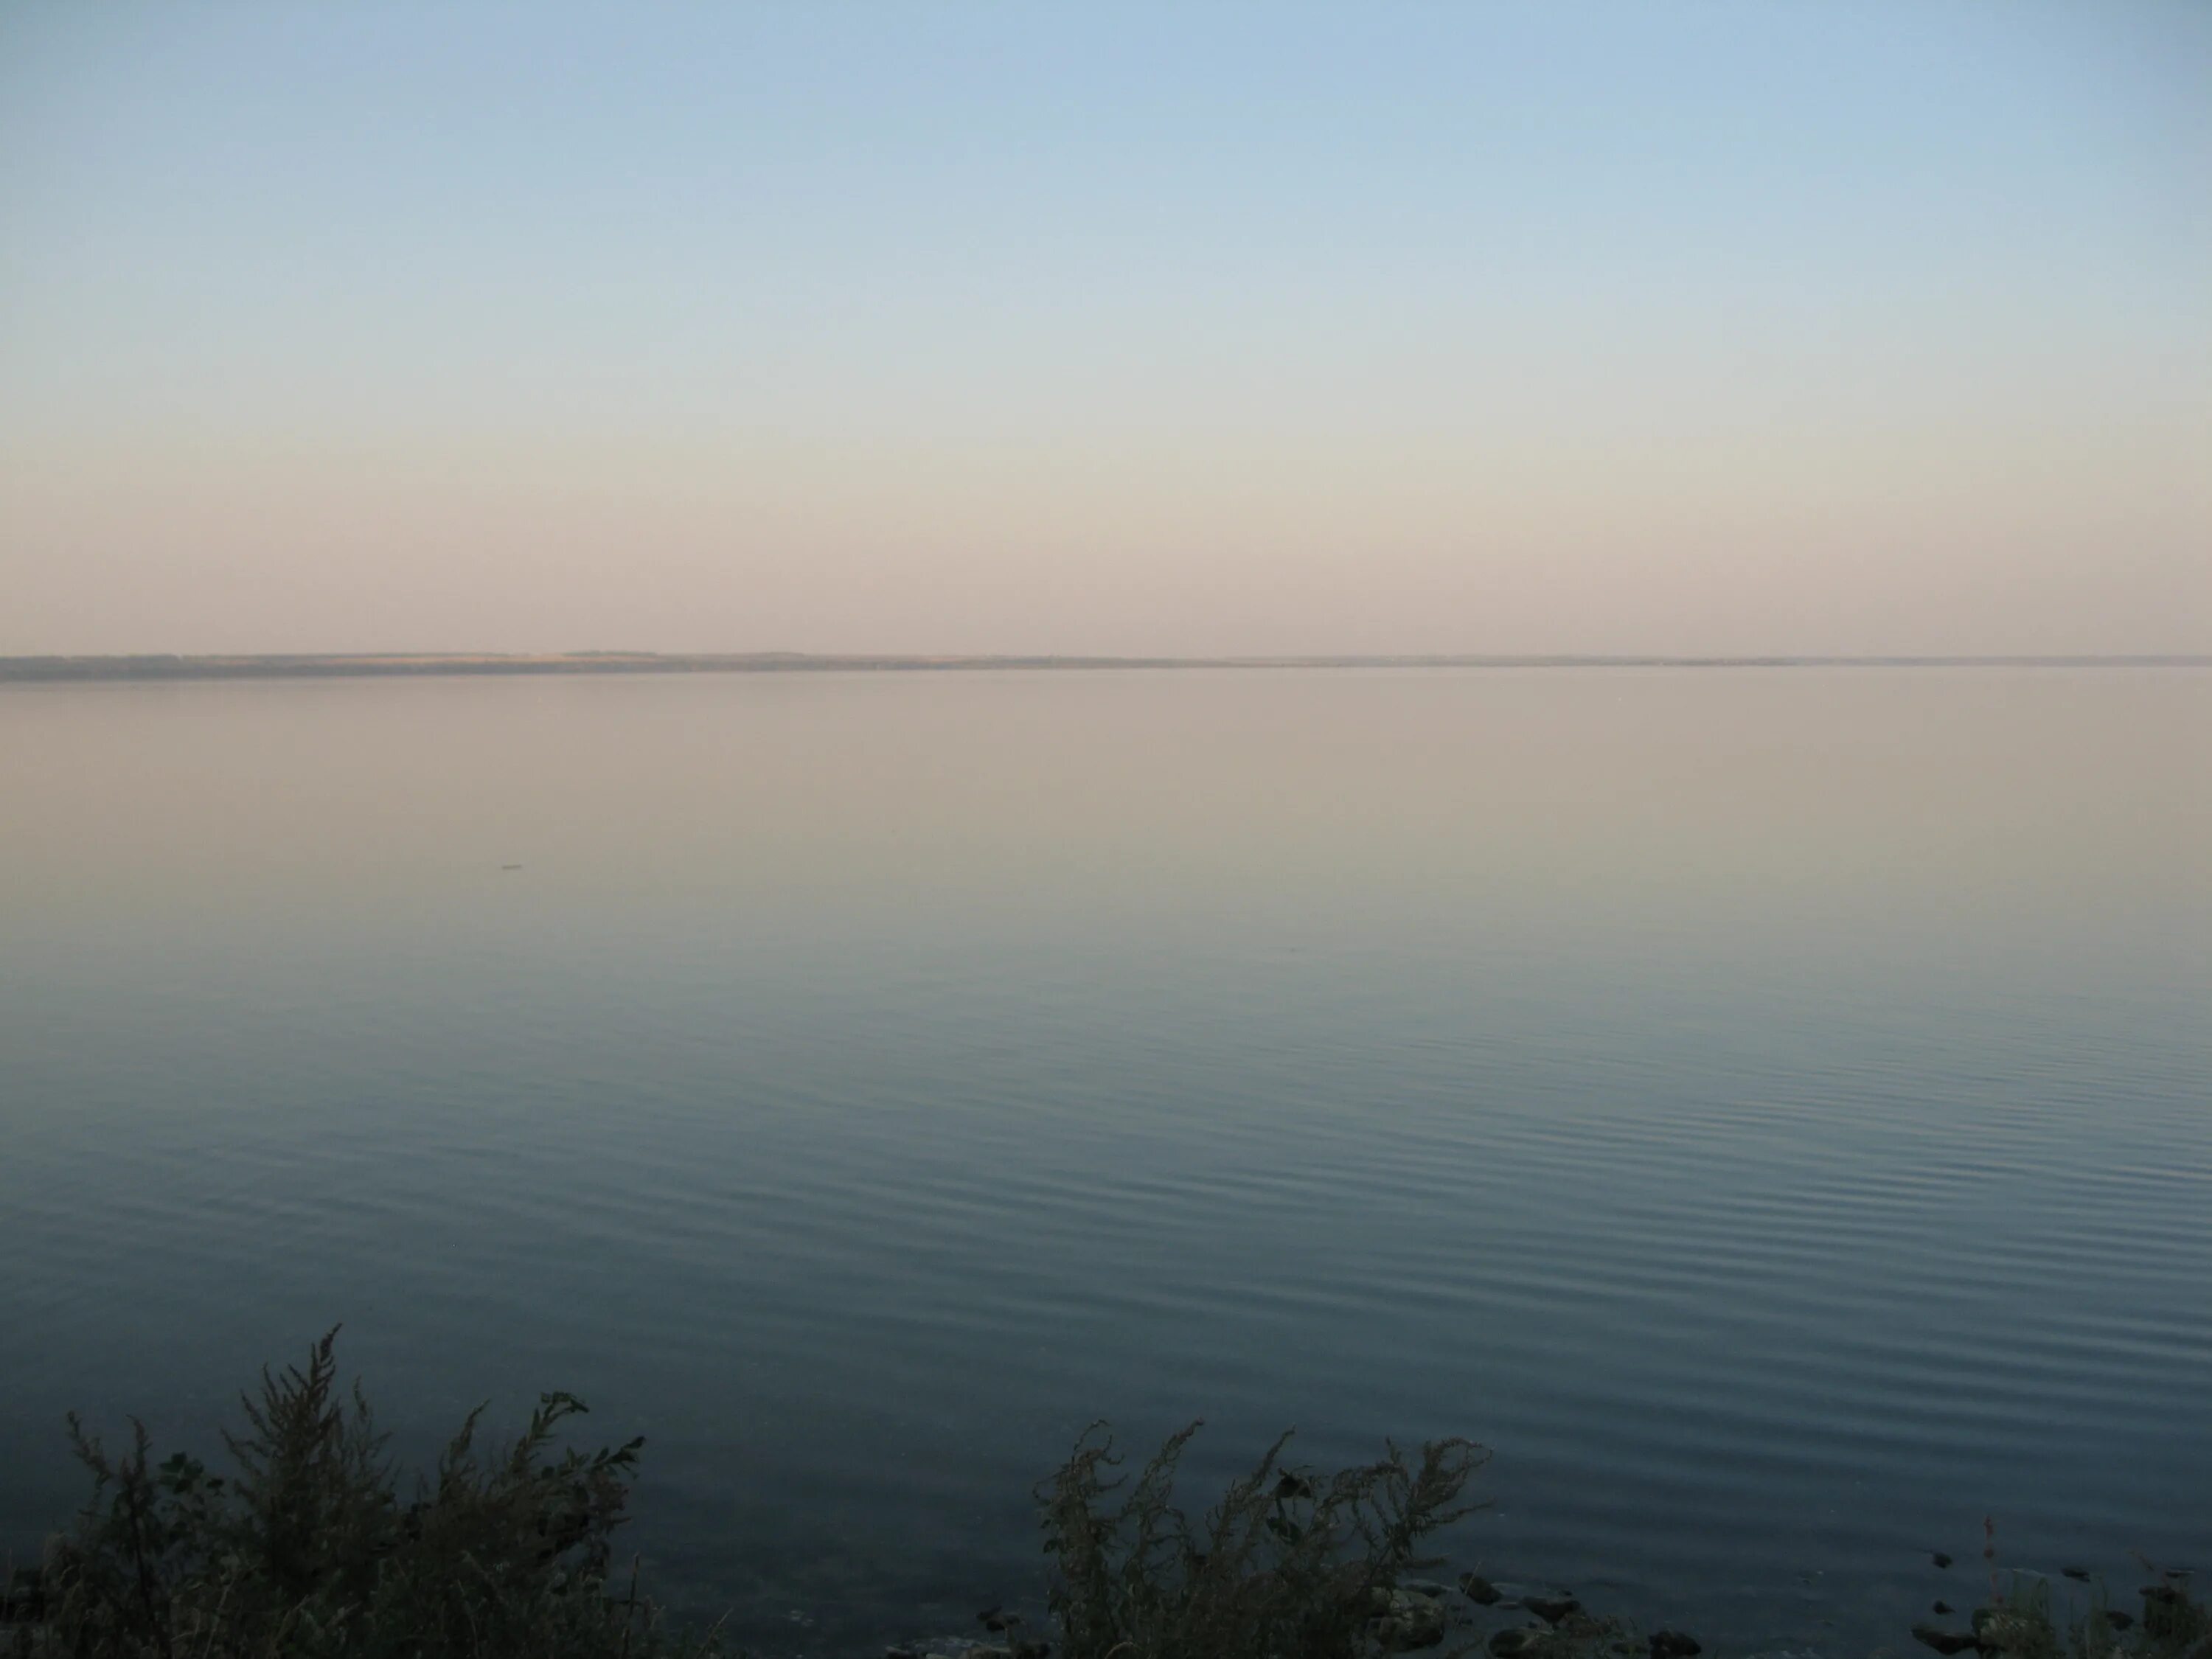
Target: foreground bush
point(311, 1547)
point(2023, 1620)
point(1286, 1565)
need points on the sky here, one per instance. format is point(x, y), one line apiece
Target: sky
point(1193, 329)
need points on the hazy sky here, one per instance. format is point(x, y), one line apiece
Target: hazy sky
point(1678, 327)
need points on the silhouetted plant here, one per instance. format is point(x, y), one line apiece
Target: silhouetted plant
point(2023, 1620)
point(1288, 1564)
point(310, 1549)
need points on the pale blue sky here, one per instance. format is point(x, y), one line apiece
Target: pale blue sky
point(1783, 326)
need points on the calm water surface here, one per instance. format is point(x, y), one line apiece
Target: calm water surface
point(1769, 1109)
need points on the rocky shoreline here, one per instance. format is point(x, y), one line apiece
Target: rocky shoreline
point(1506, 1620)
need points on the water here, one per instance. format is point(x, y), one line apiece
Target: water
point(1770, 1108)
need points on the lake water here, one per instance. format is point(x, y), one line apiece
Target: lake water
point(1771, 1109)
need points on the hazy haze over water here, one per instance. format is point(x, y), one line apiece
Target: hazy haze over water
point(1769, 1107)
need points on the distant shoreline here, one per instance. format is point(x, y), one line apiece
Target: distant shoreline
point(393, 665)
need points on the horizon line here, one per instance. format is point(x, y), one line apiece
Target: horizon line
point(166, 665)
